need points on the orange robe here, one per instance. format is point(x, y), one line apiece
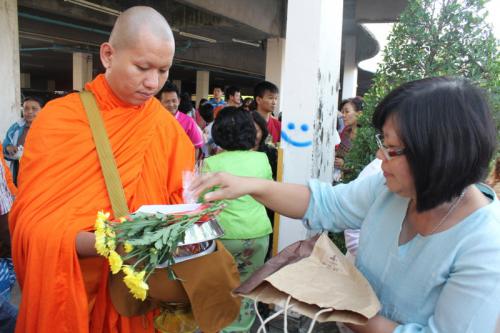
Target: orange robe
point(61, 188)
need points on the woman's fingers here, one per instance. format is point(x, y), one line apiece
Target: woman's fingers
point(215, 195)
point(221, 186)
point(205, 182)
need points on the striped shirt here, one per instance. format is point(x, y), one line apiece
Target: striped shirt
point(7, 277)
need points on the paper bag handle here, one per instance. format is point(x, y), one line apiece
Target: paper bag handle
point(287, 307)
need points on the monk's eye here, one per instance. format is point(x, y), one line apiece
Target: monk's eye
point(141, 68)
point(163, 71)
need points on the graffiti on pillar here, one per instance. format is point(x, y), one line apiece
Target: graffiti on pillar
point(324, 125)
point(291, 135)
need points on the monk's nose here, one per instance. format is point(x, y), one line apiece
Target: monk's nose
point(152, 80)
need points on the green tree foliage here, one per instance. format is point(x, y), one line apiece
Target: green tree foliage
point(432, 38)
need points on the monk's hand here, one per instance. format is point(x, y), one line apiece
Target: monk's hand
point(225, 186)
point(11, 149)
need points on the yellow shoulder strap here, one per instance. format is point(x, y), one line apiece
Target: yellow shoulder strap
point(108, 164)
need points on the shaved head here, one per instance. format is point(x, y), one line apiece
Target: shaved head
point(139, 55)
point(137, 21)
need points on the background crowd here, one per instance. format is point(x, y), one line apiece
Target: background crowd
point(429, 230)
point(229, 135)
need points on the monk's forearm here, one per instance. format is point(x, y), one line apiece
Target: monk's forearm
point(85, 244)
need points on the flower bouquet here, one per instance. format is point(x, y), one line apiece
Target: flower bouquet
point(139, 243)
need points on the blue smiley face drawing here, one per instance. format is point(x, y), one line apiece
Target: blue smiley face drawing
point(286, 137)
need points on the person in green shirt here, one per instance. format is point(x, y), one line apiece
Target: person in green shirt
point(244, 220)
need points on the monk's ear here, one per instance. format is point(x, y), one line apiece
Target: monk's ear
point(107, 51)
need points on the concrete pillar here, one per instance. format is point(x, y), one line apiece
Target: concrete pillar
point(51, 85)
point(275, 52)
point(202, 85)
point(350, 82)
point(10, 91)
point(82, 69)
point(25, 80)
point(178, 83)
point(309, 93)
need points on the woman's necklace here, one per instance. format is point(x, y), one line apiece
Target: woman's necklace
point(450, 210)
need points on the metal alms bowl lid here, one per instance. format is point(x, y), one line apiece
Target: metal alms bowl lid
point(199, 232)
point(202, 232)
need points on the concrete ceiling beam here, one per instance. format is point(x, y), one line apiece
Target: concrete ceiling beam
point(250, 60)
point(379, 11)
point(66, 9)
point(267, 16)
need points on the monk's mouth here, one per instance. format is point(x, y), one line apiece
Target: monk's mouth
point(146, 96)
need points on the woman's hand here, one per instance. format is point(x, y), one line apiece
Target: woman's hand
point(228, 186)
point(377, 324)
point(11, 149)
point(274, 195)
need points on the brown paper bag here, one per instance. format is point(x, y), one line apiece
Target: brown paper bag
point(317, 281)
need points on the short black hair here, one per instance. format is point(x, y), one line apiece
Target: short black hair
point(185, 103)
point(230, 91)
point(234, 129)
point(170, 87)
point(34, 99)
point(218, 86)
point(202, 101)
point(262, 87)
point(357, 102)
point(249, 103)
point(261, 122)
point(207, 112)
point(448, 132)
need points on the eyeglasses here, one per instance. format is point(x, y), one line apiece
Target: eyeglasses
point(388, 153)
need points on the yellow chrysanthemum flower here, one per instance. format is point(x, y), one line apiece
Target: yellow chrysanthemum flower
point(110, 232)
point(99, 225)
point(115, 262)
point(122, 219)
point(101, 216)
point(136, 285)
point(128, 247)
point(100, 243)
point(127, 270)
point(111, 244)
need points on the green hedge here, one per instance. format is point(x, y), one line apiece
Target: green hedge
point(432, 38)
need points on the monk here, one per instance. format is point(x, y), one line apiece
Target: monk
point(61, 186)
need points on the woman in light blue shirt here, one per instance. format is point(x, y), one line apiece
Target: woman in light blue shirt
point(430, 235)
point(16, 134)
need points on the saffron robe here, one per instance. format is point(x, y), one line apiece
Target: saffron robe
point(60, 190)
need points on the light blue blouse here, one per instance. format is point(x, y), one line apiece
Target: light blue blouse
point(12, 135)
point(448, 282)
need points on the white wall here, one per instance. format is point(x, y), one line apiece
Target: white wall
point(309, 97)
point(10, 92)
